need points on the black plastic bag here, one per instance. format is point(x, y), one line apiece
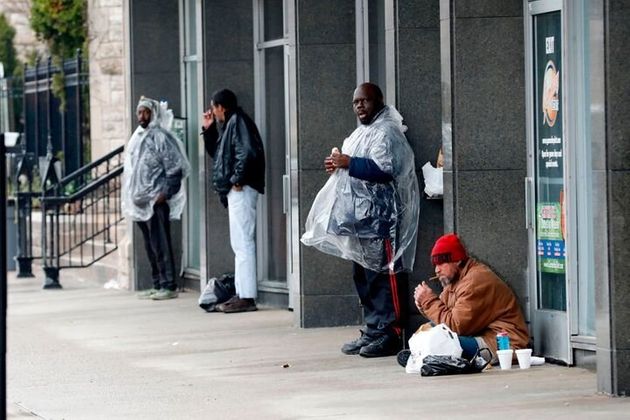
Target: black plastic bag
point(449, 365)
point(228, 286)
point(217, 291)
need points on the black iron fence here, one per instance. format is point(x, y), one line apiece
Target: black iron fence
point(26, 193)
point(56, 121)
point(79, 214)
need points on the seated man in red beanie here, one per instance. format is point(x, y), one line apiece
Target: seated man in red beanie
point(475, 303)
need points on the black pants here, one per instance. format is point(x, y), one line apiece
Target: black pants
point(380, 300)
point(157, 241)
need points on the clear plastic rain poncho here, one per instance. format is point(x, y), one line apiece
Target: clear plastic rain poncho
point(152, 155)
point(372, 224)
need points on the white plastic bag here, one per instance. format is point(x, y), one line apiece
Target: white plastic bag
point(152, 155)
point(437, 341)
point(433, 182)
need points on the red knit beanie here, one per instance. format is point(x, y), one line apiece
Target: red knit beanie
point(448, 248)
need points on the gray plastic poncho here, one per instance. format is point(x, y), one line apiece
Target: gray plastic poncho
point(153, 157)
point(372, 224)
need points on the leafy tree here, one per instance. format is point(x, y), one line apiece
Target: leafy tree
point(8, 55)
point(61, 24)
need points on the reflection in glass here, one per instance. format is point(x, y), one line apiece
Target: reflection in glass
point(376, 29)
point(192, 142)
point(275, 151)
point(273, 20)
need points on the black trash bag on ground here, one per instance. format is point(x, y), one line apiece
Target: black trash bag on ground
point(217, 291)
point(449, 365)
point(227, 281)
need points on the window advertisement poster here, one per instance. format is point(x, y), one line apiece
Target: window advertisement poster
point(550, 209)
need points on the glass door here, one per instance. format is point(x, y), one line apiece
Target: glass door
point(376, 45)
point(273, 119)
point(547, 182)
point(189, 125)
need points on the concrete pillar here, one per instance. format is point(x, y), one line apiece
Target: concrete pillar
point(420, 103)
point(326, 80)
point(229, 63)
point(483, 126)
point(613, 291)
point(154, 72)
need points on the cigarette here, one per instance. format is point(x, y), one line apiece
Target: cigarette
point(433, 278)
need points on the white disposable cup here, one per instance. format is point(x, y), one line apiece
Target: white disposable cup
point(524, 357)
point(505, 358)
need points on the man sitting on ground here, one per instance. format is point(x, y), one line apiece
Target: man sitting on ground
point(475, 303)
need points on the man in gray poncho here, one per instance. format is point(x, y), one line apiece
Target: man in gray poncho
point(152, 195)
point(367, 212)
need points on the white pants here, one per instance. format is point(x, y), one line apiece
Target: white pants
point(242, 215)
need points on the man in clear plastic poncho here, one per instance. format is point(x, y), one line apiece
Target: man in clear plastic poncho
point(367, 212)
point(153, 194)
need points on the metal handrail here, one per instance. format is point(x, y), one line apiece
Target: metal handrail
point(85, 190)
point(80, 228)
point(90, 166)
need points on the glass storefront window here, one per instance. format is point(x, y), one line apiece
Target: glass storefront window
point(376, 45)
point(376, 36)
point(276, 240)
point(273, 19)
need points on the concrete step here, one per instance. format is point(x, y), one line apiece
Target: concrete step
point(106, 272)
point(69, 234)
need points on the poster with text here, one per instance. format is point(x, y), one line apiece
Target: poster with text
point(549, 161)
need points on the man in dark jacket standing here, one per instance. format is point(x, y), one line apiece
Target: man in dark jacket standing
point(238, 176)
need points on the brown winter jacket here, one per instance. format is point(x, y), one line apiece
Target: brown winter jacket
point(478, 304)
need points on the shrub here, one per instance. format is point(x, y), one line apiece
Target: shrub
point(61, 24)
point(8, 55)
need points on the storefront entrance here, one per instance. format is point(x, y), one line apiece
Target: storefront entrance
point(559, 183)
point(275, 98)
point(548, 227)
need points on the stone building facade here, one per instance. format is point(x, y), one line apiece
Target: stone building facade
point(107, 88)
point(107, 91)
point(17, 13)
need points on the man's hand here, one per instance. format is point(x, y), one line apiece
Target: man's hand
point(419, 294)
point(208, 119)
point(161, 198)
point(336, 160)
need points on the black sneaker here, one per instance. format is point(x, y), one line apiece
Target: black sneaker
point(354, 346)
point(403, 357)
point(381, 346)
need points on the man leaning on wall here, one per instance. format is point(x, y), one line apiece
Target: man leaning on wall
point(238, 175)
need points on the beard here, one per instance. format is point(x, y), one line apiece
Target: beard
point(445, 281)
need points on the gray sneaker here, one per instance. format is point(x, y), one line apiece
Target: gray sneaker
point(164, 294)
point(355, 346)
point(147, 294)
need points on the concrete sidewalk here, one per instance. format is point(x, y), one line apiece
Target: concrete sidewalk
point(89, 353)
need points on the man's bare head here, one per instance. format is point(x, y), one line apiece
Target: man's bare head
point(367, 101)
